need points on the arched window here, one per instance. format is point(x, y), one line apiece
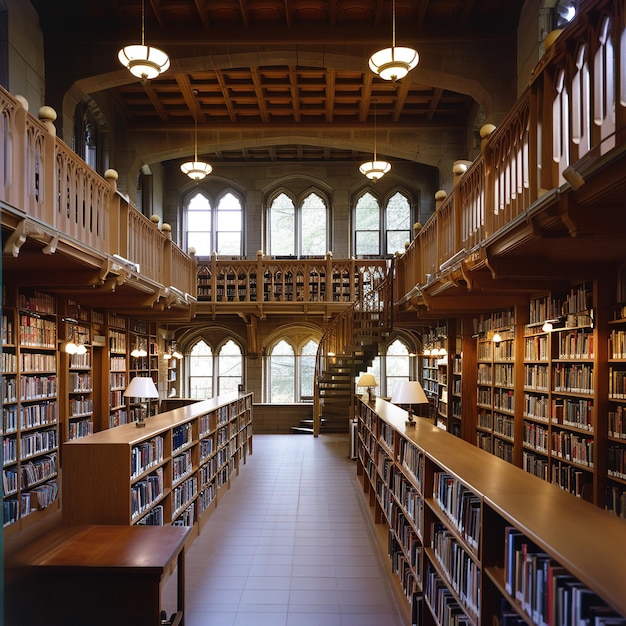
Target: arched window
point(307, 369)
point(216, 229)
point(229, 226)
point(291, 372)
point(298, 230)
point(391, 367)
point(230, 367)
point(212, 374)
point(201, 371)
point(398, 223)
point(377, 229)
point(367, 226)
point(281, 380)
point(397, 365)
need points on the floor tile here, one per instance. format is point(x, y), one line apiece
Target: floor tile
point(290, 544)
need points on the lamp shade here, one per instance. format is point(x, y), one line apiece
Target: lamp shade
point(375, 169)
point(393, 63)
point(141, 387)
point(367, 380)
point(145, 62)
point(409, 392)
point(196, 170)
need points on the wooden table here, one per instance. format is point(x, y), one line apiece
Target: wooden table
point(95, 575)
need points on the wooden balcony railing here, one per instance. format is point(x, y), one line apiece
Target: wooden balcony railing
point(299, 281)
point(571, 116)
point(47, 187)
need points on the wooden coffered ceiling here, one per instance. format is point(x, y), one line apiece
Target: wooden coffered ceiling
point(271, 65)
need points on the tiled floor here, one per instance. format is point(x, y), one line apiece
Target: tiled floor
point(290, 544)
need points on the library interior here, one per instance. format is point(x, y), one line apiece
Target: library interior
point(313, 312)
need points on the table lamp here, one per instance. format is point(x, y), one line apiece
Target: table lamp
point(368, 380)
point(141, 387)
point(409, 392)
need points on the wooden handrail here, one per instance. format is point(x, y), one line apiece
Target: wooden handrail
point(369, 316)
point(570, 116)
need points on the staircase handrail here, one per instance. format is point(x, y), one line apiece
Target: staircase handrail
point(340, 332)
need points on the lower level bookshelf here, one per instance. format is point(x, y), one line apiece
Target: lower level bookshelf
point(169, 472)
point(476, 540)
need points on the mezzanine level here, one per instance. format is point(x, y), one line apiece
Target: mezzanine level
point(543, 202)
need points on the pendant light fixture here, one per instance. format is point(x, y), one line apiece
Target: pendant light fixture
point(396, 62)
point(196, 170)
point(375, 169)
point(144, 62)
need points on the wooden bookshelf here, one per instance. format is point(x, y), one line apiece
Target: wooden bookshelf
point(615, 492)
point(30, 412)
point(439, 495)
point(170, 472)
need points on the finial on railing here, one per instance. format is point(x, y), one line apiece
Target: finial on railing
point(166, 229)
point(111, 176)
point(48, 116)
point(416, 228)
point(459, 168)
point(440, 196)
point(191, 251)
point(485, 133)
point(155, 219)
point(22, 100)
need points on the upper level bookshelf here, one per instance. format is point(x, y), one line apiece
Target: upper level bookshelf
point(169, 472)
point(460, 519)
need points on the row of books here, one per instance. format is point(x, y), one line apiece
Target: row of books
point(40, 414)
point(145, 455)
point(504, 426)
point(80, 406)
point(40, 442)
point(182, 494)
point(536, 407)
point(460, 505)
point(146, 491)
point(537, 377)
point(35, 471)
point(37, 301)
point(37, 387)
point(617, 344)
point(573, 447)
point(35, 332)
point(573, 378)
point(442, 603)
point(546, 592)
point(181, 436)
point(616, 461)
point(33, 362)
point(617, 422)
point(181, 465)
point(536, 436)
point(535, 464)
point(79, 428)
point(576, 345)
point(617, 384)
point(536, 348)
